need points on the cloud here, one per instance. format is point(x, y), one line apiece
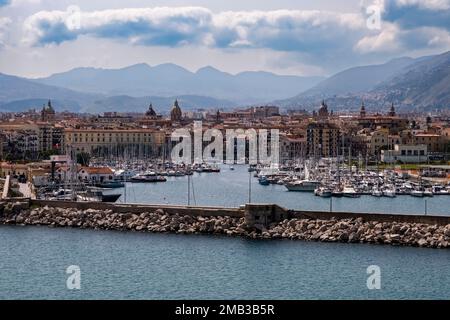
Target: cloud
point(284, 30)
point(410, 14)
point(147, 26)
point(314, 37)
point(393, 39)
point(4, 24)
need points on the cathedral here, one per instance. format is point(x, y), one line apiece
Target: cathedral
point(175, 113)
point(151, 113)
point(47, 112)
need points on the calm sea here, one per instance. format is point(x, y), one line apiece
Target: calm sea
point(132, 265)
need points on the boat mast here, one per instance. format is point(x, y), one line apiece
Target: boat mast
point(189, 190)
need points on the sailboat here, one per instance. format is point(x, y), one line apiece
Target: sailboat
point(305, 185)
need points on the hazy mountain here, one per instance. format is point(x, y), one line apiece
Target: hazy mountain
point(17, 94)
point(357, 79)
point(172, 80)
point(28, 104)
point(422, 83)
point(160, 104)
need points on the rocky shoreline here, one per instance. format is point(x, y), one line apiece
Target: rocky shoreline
point(332, 230)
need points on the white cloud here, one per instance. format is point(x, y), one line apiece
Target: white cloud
point(384, 41)
point(285, 30)
point(5, 22)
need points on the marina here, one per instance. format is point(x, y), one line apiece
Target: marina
point(230, 188)
point(326, 184)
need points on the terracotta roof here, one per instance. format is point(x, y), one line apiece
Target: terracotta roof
point(96, 170)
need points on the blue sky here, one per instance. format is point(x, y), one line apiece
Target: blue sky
point(41, 37)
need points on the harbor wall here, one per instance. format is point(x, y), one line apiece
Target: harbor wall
point(138, 208)
point(380, 217)
point(263, 214)
point(256, 221)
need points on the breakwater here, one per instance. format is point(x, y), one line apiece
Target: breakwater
point(252, 221)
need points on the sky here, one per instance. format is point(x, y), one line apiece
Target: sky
point(291, 37)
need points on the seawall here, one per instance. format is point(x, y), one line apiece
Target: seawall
point(258, 221)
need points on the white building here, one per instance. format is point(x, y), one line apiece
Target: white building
point(406, 154)
point(95, 174)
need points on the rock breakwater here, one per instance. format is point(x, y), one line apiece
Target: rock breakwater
point(354, 230)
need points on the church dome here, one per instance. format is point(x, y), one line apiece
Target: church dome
point(323, 110)
point(150, 112)
point(175, 113)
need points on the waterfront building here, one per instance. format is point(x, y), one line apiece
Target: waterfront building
point(95, 174)
point(405, 154)
point(107, 142)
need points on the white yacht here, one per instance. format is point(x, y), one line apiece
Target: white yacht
point(350, 192)
point(303, 185)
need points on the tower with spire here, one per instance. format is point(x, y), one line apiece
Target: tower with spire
point(323, 111)
point(391, 112)
point(47, 112)
point(175, 113)
point(362, 110)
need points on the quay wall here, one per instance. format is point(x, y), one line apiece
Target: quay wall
point(255, 221)
point(267, 213)
point(381, 217)
point(138, 208)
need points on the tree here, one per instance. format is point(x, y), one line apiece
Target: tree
point(83, 158)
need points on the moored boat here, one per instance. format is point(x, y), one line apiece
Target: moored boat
point(350, 192)
point(148, 177)
point(417, 193)
point(323, 192)
point(303, 185)
point(263, 181)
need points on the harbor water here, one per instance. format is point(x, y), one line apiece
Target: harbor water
point(132, 265)
point(230, 188)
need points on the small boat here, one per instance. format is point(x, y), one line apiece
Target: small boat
point(96, 195)
point(350, 192)
point(390, 193)
point(171, 173)
point(439, 190)
point(417, 193)
point(428, 193)
point(179, 173)
point(377, 193)
point(231, 168)
point(337, 192)
point(110, 184)
point(263, 181)
point(148, 177)
point(323, 192)
point(303, 185)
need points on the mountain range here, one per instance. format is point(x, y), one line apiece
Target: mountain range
point(167, 80)
point(413, 84)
